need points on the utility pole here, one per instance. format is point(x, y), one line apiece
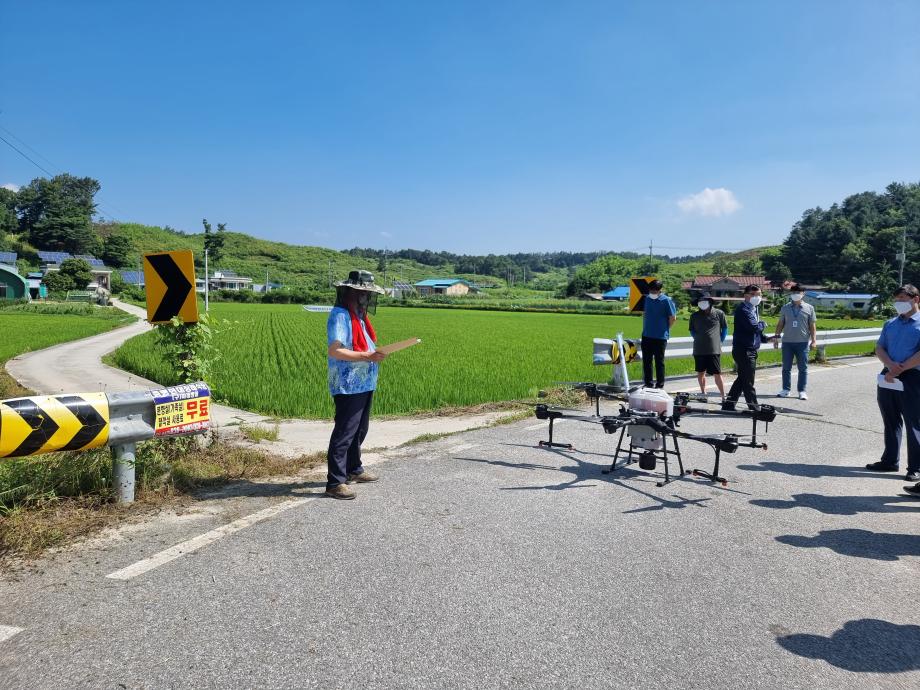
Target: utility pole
point(330, 273)
point(901, 256)
point(650, 256)
point(266, 280)
point(206, 279)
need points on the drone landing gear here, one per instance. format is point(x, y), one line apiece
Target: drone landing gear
point(648, 458)
point(714, 475)
point(553, 415)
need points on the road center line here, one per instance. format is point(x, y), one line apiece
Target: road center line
point(8, 631)
point(202, 540)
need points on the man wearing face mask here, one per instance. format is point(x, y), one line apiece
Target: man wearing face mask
point(353, 362)
point(749, 333)
point(797, 326)
point(898, 348)
point(708, 329)
point(658, 317)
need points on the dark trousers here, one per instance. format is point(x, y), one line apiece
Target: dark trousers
point(901, 408)
point(653, 348)
point(352, 417)
point(746, 364)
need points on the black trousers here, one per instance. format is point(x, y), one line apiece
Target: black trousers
point(352, 417)
point(901, 409)
point(746, 363)
point(653, 348)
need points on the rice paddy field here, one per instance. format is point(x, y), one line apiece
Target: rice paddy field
point(273, 357)
point(27, 327)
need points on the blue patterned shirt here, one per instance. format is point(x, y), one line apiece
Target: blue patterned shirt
point(348, 378)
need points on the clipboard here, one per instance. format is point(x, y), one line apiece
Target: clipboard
point(396, 347)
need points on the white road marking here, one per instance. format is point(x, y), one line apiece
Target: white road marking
point(201, 541)
point(461, 447)
point(8, 631)
point(543, 425)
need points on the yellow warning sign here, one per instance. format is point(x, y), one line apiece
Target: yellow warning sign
point(638, 289)
point(630, 347)
point(31, 426)
point(170, 286)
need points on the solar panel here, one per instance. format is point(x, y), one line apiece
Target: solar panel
point(54, 257)
point(133, 277)
point(399, 285)
point(8, 258)
point(91, 260)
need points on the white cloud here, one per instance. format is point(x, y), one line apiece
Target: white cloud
point(384, 233)
point(710, 202)
point(10, 186)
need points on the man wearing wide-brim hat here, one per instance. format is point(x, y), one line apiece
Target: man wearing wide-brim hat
point(709, 329)
point(353, 363)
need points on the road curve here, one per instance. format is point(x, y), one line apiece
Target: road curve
point(77, 367)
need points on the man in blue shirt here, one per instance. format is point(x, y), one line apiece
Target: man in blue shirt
point(353, 363)
point(898, 348)
point(745, 342)
point(658, 317)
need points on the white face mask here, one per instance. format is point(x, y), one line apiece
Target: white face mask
point(755, 300)
point(796, 296)
point(654, 295)
point(903, 307)
point(704, 305)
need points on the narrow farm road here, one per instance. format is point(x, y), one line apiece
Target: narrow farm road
point(77, 367)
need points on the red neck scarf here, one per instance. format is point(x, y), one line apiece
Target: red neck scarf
point(358, 341)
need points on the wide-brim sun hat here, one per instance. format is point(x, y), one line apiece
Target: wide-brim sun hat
point(361, 280)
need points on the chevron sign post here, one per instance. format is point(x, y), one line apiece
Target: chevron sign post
point(170, 286)
point(53, 423)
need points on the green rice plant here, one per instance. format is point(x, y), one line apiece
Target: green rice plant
point(274, 359)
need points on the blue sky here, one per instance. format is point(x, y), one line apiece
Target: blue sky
point(467, 126)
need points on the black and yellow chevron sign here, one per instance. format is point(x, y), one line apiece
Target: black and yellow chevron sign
point(30, 426)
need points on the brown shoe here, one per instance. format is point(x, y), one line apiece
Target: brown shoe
point(342, 492)
point(363, 478)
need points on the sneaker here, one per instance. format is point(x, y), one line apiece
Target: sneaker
point(728, 406)
point(342, 492)
point(913, 476)
point(881, 467)
point(915, 489)
point(803, 395)
point(784, 393)
point(362, 477)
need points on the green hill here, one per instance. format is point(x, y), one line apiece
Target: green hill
point(291, 265)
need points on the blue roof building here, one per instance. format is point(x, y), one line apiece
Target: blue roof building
point(620, 292)
point(444, 286)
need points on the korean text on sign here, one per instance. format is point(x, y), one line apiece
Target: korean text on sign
point(182, 409)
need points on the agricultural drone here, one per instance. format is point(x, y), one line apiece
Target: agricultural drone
point(650, 417)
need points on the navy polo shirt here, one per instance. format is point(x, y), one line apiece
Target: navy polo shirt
point(655, 318)
point(900, 337)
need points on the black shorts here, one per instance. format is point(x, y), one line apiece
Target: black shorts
point(711, 364)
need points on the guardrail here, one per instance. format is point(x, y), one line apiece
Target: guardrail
point(55, 423)
point(683, 347)
point(605, 349)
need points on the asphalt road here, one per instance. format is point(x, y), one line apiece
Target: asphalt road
point(481, 561)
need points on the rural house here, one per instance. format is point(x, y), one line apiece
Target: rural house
point(725, 288)
point(861, 302)
point(444, 286)
point(12, 285)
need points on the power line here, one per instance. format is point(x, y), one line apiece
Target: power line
point(104, 207)
point(7, 142)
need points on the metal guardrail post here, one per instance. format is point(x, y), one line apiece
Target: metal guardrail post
point(120, 420)
point(124, 460)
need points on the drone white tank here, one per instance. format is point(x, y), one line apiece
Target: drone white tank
point(651, 399)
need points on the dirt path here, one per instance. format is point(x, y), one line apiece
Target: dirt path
point(77, 367)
